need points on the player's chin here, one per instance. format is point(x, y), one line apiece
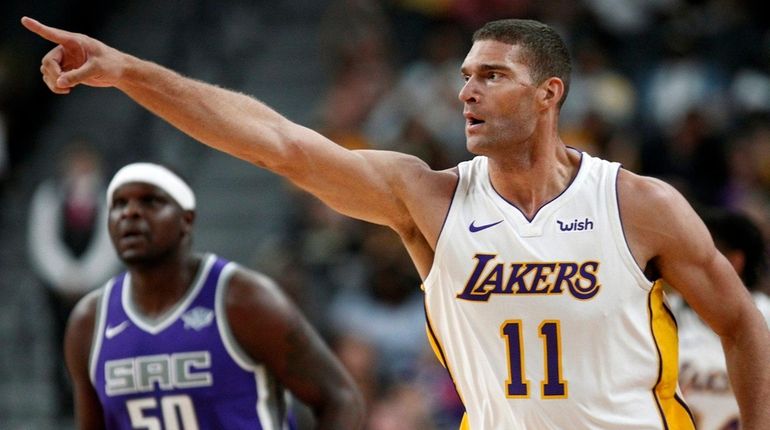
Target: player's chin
point(476, 145)
point(133, 256)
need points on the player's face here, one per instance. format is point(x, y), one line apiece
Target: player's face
point(145, 223)
point(499, 97)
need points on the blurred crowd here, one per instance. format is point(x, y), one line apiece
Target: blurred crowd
point(674, 89)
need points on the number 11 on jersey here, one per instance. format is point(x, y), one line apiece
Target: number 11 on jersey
point(517, 387)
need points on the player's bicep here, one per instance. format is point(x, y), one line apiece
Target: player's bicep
point(272, 331)
point(689, 261)
point(713, 289)
point(77, 349)
point(365, 184)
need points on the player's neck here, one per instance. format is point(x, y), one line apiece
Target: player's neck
point(533, 176)
point(157, 288)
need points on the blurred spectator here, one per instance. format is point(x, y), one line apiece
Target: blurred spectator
point(628, 29)
point(750, 86)
point(601, 107)
point(361, 359)
point(359, 63)
point(280, 259)
point(629, 18)
point(387, 309)
point(600, 138)
point(68, 242)
point(424, 99)
point(418, 140)
point(411, 20)
point(729, 31)
point(403, 407)
point(692, 157)
point(750, 91)
point(327, 245)
point(749, 166)
point(439, 391)
point(597, 87)
point(681, 82)
point(367, 35)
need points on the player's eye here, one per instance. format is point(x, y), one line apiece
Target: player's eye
point(153, 200)
point(118, 203)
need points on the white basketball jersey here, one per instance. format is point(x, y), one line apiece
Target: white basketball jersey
point(549, 323)
point(703, 376)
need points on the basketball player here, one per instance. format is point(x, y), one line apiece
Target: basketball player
point(703, 376)
point(540, 264)
point(186, 341)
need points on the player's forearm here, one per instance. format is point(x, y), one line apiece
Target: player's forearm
point(748, 360)
point(344, 409)
point(220, 118)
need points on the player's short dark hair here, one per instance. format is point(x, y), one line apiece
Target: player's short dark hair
point(735, 231)
point(545, 52)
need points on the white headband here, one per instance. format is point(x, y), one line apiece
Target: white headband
point(156, 175)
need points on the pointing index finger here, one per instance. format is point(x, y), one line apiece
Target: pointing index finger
point(52, 34)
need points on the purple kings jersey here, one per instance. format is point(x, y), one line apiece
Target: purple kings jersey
point(183, 370)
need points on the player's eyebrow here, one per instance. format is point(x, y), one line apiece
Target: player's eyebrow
point(485, 67)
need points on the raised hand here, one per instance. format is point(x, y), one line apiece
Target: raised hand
point(77, 59)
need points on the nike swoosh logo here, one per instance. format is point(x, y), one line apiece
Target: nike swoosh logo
point(474, 228)
point(111, 332)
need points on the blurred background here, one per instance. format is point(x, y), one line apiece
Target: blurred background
point(675, 89)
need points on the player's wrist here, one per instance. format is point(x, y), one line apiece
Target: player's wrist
point(131, 72)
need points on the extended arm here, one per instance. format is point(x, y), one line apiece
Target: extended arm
point(387, 188)
point(273, 331)
point(368, 185)
point(77, 347)
point(666, 233)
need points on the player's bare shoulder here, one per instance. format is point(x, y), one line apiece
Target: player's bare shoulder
point(430, 195)
point(83, 315)
point(425, 193)
point(80, 330)
point(639, 192)
point(255, 304)
point(249, 290)
point(411, 175)
point(654, 214)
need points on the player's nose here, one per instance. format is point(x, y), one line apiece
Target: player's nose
point(469, 92)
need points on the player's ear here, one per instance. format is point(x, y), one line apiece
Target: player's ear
point(188, 219)
point(552, 91)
